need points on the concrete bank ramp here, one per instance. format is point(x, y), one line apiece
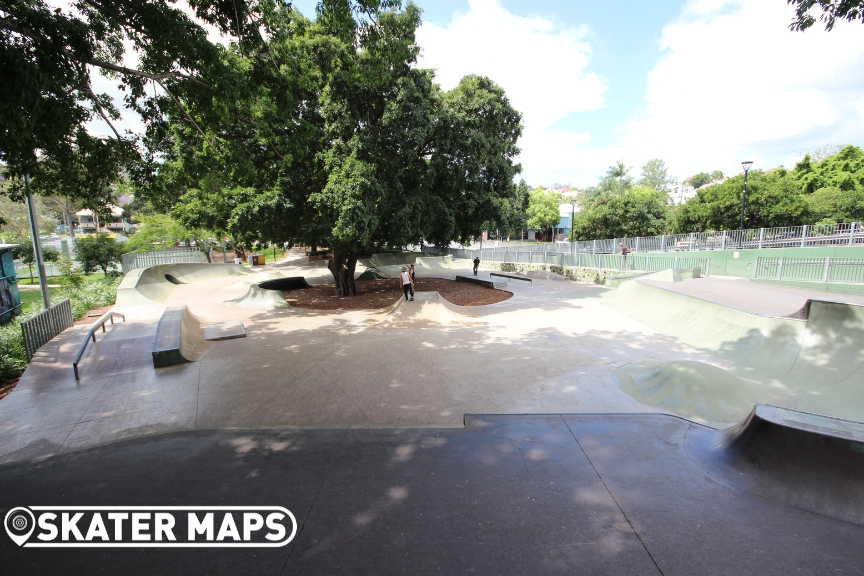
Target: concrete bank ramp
point(814, 364)
point(804, 460)
point(701, 392)
point(153, 285)
point(179, 338)
point(429, 309)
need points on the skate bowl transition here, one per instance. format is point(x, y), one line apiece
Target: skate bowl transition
point(811, 360)
point(153, 285)
point(804, 460)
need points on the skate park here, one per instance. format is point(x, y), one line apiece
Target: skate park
point(629, 417)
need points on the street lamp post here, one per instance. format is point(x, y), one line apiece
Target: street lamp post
point(746, 165)
point(572, 215)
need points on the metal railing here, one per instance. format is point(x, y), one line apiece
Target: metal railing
point(180, 255)
point(850, 270)
point(41, 328)
point(848, 234)
point(633, 262)
point(92, 334)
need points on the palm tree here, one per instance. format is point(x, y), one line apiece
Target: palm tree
point(619, 170)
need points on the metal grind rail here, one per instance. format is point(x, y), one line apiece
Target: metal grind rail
point(92, 334)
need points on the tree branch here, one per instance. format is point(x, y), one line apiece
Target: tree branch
point(10, 25)
point(183, 110)
point(102, 111)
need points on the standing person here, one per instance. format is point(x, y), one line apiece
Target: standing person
point(476, 264)
point(413, 278)
point(407, 283)
point(623, 251)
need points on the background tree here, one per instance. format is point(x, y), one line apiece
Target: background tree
point(100, 252)
point(828, 11)
point(16, 222)
point(773, 199)
point(543, 213)
point(641, 211)
point(25, 252)
point(514, 217)
point(655, 175)
point(618, 171)
point(700, 179)
point(158, 231)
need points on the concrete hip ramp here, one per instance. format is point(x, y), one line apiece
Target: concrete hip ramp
point(429, 309)
point(804, 460)
point(811, 362)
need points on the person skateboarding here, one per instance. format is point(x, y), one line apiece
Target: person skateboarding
point(407, 283)
point(476, 264)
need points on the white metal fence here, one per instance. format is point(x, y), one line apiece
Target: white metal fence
point(849, 270)
point(633, 262)
point(135, 260)
point(42, 327)
point(848, 234)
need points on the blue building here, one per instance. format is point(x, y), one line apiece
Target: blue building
point(10, 299)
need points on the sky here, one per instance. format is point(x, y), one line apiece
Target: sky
point(702, 84)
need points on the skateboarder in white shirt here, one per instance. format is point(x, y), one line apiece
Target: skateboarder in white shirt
point(407, 283)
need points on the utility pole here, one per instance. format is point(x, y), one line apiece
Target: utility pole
point(37, 245)
point(746, 165)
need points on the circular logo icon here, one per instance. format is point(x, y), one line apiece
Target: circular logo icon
point(19, 524)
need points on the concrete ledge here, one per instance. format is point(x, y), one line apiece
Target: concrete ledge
point(481, 282)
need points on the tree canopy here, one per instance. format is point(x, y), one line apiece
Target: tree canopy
point(828, 191)
point(542, 210)
point(655, 175)
point(330, 136)
point(640, 211)
point(827, 11)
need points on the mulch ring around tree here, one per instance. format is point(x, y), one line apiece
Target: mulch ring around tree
point(375, 294)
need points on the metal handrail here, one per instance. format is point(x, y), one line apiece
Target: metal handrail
point(92, 334)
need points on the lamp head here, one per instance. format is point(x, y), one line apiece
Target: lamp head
point(746, 164)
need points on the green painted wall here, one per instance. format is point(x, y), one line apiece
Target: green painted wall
point(724, 262)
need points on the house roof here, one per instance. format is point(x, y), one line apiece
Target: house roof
point(115, 211)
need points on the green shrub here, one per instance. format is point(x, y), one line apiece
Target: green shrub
point(13, 358)
point(98, 252)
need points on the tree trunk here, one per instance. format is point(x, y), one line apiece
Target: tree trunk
point(239, 252)
point(342, 266)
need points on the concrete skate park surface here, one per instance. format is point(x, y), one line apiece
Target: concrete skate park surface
point(539, 494)
point(552, 347)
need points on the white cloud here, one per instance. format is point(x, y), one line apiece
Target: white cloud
point(541, 65)
point(737, 82)
point(733, 81)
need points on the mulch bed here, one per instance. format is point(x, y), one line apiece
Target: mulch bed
point(92, 316)
point(375, 294)
point(7, 387)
